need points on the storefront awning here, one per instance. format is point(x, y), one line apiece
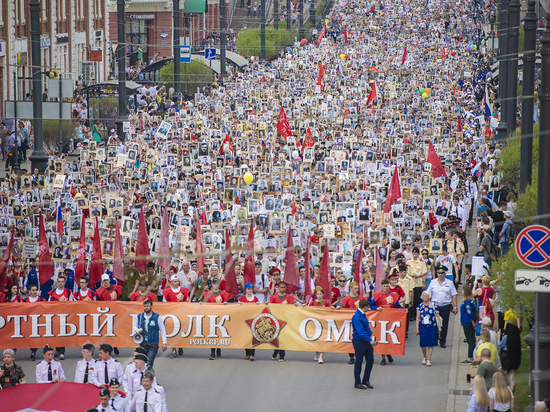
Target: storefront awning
point(195, 6)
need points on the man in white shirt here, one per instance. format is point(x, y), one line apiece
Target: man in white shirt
point(135, 374)
point(147, 398)
point(49, 370)
point(86, 368)
point(186, 275)
point(443, 295)
point(261, 284)
point(118, 401)
point(108, 367)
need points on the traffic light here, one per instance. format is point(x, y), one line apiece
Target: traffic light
point(52, 73)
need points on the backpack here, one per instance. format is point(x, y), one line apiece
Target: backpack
point(494, 253)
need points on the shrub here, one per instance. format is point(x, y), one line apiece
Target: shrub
point(198, 75)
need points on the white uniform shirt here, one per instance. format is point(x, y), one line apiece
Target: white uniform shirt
point(42, 371)
point(120, 403)
point(442, 293)
point(154, 400)
point(114, 369)
point(134, 380)
point(81, 371)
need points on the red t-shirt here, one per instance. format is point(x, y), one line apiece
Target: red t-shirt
point(59, 297)
point(398, 290)
point(323, 304)
point(384, 300)
point(112, 294)
point(277, 299)
point(351, 303)
point(244, 299)
point(136, 297)
point(179, 295)
point(87, 297)
point(220, 297)
point(335, 294)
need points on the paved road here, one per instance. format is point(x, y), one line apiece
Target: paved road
point(229, 383)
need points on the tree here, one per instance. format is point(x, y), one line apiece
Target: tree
point(50, 133)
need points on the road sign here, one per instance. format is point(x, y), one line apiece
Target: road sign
point(185, 54)
point(210, 54)
point(533, 246)
point(530, 280)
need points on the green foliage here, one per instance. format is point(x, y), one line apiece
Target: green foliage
point(198, 75)
point(105, 109)
point(248, 41)
point(50, 133)
point(521, 39)
point(504, 269)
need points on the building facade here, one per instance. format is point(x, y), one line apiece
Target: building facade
point(73, 40)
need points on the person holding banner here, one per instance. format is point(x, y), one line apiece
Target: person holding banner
point(249, 297)
point(282, 298)
point(60, 294)
point(216, 296)
point(321, 302)
point(386, 299)
point(363, 343)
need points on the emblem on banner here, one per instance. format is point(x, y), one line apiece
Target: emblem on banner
point(265, 328)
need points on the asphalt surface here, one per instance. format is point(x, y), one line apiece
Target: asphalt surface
point(230, 383)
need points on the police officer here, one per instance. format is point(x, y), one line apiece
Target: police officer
point(104, 397)
point(86, 368)
point(108, 367)
point(147, 398)
point(119, 401)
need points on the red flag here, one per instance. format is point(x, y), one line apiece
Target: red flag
point(201, 259)
point(293, 207)
point(283, 127)
point(307, 278)
point(373, 94)
point(231, 285)
point(164, 242)
point(323, 279)
point(80, 269)
point(404, 59)
point(237, 200)
point(45, 271)
point(193, 137)
point(249, 271)
point(321, 74)
point(358, 275)
point(433, 158)
point(443, 53)
point(432, 218)
point(263, 80)
point(345, 32)
point(226, 145)
point(394, 191)
point(96, 265)
point(118, 271)
point(292, 277)
point(4, 262)
point(142, 246)
point(309, 141)
point(380, 274)
point(320, 37)
point(204, 219)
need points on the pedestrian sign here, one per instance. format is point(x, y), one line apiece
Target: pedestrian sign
point(185, 54)
point(530, 280)
point(210, 54)
point(533, 246)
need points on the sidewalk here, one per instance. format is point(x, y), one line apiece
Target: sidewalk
point(459, 389)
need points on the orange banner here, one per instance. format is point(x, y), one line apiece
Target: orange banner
point(193, 325)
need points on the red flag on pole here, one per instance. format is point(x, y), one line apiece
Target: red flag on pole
point(45, 268)
point(142, 246)
point(380, 274)
point(204, 218)
point(80, 269)
point(309, 141)
point(226, 145)
point(459, 127)
point(404, 59)
point(249, 271)
point(373, 94)
point(201, 259)
point(432, 219)
point(231, 285)
point(307, 278)
point(283, 127)
point(323, 279)
point(321, 74)
point(164, 242)
point(394, 191)
point(292, 278)
point(320, 37)
point(118, 271)
point(96, 264)
point(433, 158)
point(4, 263)
point(345, 32)
point(358, 274)
point(443, 53)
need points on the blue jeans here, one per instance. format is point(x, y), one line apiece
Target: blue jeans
point(444, 312)
point(151, 354)
point(504, 247)
point(363, 349)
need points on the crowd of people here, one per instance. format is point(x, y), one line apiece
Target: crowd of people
point(372, 144)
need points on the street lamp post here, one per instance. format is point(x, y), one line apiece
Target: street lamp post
point(301, 19)
point(262, 30)
point(222, 41)
point(288, 8)
point(276, 14)
point(527, 104)
point(121, 57)
point(38, 159)
point(176, 45)
point(502, 128)
point(513, 48)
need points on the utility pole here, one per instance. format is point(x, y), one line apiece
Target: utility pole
point(288, 8)
point(513, 48)
point(502, 8)
point(222, 41)
point(312, 13)
point(176, 44)
point(301, 32)
point(276, 14)
point(121, 56)
point(38, 159)
point(530, 41)
point(262, 30)
point(60, 116)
